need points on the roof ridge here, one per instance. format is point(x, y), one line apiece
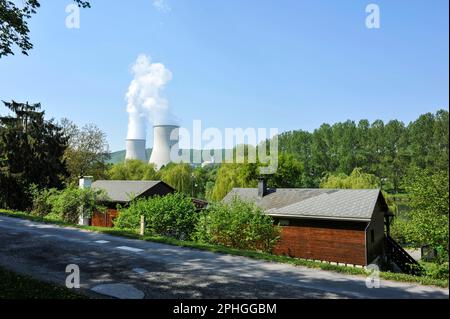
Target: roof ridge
point(124, 180)
point(318, 188)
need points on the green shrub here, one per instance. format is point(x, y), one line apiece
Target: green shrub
point(238, 225)
point(42, 205)
point(399, 230)
point(173, 215)
point(436, 271)
point(429, 215)
point(72, 202)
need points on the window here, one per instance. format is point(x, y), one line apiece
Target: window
point(283, 222)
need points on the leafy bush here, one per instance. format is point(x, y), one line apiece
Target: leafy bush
point(238, 225)
point(398, 230)
point(70, 203)
point(42, 205)
point(428, 218)
point(436, 270)
point(172, 215)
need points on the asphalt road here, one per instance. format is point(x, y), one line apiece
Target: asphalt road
point(126, 268)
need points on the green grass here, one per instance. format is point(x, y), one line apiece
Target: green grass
point(15, 286)
point(237, 252)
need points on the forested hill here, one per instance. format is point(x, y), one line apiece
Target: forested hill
point(119, 156)
point(386, 150)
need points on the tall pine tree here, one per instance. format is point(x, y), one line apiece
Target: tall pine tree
point(31, 153)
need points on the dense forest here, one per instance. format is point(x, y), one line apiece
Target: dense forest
point(386, 150)
point(389, 152)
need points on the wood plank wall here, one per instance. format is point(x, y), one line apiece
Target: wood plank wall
point(104, 219)
point(326, 243)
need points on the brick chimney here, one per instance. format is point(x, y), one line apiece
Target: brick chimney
point(262, 186)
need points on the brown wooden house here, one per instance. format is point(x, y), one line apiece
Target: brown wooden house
point(122, 193)
point(342, 226)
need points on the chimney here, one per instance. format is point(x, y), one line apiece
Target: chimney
point(85, 182)
point(262, 187)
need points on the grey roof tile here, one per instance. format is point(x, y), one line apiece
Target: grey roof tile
point(124, 191)
point(315, 203)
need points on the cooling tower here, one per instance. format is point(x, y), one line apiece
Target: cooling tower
point(135, 150)
point(162, 144)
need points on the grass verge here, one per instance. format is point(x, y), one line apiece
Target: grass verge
point(423, 280)
point(15, 286)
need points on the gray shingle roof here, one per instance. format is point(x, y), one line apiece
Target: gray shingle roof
point(124, 191)
point(314, 203)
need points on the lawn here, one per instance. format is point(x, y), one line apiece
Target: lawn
point(15, 286)
point(423, 280)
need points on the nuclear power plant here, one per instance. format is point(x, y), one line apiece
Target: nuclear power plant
point(165, 140)
point(135, 150)
point(146, 103)
point(165, 137)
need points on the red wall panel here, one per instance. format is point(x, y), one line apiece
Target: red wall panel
point(327, 244)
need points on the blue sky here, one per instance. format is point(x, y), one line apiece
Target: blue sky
point(287, 64)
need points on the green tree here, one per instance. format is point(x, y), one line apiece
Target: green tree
point(429, 202)
point(428, 141)
point(203, 180)
point(133, 170)
point(179, 176)
point(376, 144)
point(14, 29)
point(363, 151)
point(323, 155)
point(289, 173)
point(395, 159)
point(31, 153)
point(233, 175)
point(440, 140)
point(344, 146)
point(356, 180)
point(88, 150)
point(298, 144)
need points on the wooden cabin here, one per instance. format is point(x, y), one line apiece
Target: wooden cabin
point(122, 193)
point(334, 225)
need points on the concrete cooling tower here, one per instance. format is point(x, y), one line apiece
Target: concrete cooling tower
point(165, 137)
point(135, 150)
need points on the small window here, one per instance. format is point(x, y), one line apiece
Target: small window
point(372, 236)
point(283, 222)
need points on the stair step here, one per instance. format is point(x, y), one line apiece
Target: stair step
point(401, 258)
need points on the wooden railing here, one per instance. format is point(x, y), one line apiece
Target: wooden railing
point(401, 258)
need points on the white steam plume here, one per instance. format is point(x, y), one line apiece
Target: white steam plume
point(144, 97)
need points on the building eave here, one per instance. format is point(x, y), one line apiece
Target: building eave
point(365, 220)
